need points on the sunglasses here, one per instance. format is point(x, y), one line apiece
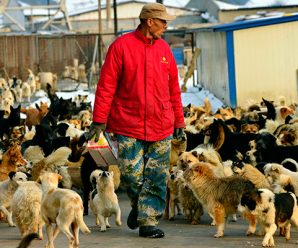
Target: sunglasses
point(164, 22)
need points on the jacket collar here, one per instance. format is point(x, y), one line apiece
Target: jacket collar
point(141, 37)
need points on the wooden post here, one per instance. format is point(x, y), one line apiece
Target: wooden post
point(99, 35)
point(115, 17)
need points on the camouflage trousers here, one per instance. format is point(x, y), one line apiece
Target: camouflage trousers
point(144, 167)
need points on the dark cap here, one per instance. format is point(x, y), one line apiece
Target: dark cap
point(155, 10)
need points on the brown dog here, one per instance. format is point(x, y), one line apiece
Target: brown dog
point(63, 207)
point(11, 160)
point(220, 196)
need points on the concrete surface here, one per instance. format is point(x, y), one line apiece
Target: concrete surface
point(178, 234)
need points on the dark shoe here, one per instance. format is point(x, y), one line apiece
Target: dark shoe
point(132, 219)
point(151, 232)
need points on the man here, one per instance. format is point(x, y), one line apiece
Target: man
point(138, 98)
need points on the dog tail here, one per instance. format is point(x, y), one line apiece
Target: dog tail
point(82, 225)
point(25, 242)
point(58, 157)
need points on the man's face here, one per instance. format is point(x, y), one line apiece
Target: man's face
point(157, 27)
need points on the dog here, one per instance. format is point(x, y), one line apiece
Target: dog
point(11, 160)
point(53, 163)
point(177, 146)
point(104, 201)
point(172, 185)
point(281, 177)
point(267, 150)
point(220, 196)
point(272, 211)
point(7, 189)
point(25, 206)
point(252, 174)
point(35, 115)
point(64, 207)
point(192, 207)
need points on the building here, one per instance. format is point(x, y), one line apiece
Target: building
point(241, 62)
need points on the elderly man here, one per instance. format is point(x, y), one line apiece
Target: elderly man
point(138, 99)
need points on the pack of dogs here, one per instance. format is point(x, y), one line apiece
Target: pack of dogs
point(231, 163)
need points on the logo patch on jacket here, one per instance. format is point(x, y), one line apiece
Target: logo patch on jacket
point(164, 60)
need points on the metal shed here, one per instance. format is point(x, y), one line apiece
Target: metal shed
point(241, 62)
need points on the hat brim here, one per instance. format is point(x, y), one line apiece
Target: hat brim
point(166, 17)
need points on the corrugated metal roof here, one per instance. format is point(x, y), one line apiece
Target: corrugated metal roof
point(241, 4)
point(255, 23)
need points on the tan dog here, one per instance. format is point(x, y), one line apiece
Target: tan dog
point(25, 206)
point(64, 207)
point(220, 196)
point(11, 160)
point(251, 173)
point(172, 184)
point(7, 189)
point(104, 201)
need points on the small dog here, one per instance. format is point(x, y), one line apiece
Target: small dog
point(220, 196)
point(104, 202)
point(172, 184)
point(272, 211)
point(7, 189)
point(25, 206)
point(63, 207)
point(11, 160)
point(192, 207)
point(177, 146)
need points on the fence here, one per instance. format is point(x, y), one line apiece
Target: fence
point(44, 53)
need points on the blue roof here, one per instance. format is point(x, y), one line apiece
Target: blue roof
point(255, 23)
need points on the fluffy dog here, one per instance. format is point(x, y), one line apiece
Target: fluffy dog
point(7, 189)
point(25, 206)
point(63, 207)
point(11, 160)
point(220, 196)
point(272, 211)
point(104, 202)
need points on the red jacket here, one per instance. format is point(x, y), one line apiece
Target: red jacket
point(138, 93)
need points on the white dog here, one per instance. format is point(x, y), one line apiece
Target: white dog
point(104, 202)
point(63, 207)
point(7, 189)
point(25, 206)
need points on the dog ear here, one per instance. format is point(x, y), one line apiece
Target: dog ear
point(11, 174)
point(195, 153)
point(275, 167)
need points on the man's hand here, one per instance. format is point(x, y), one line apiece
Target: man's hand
point(95, 130)
point(178, 133)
